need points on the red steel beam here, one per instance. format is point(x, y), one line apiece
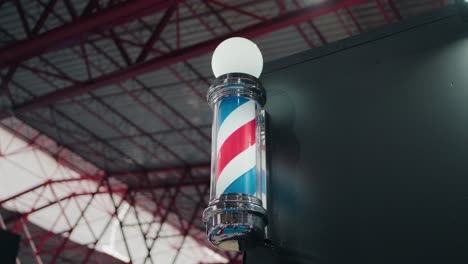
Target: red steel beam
point(218, 16)
point(48, 73)
point(176, 169)
point(86, 129)
point(143, 233)
point(282, 21)
point(355, 21)
point(6, 79)
point(156, 33)
point(200, 19)
point(22, 15)
point(32, 141)
point(68, 199)
point(32, 245)
point(43, 17)
point(158, 30)
point(198, 207)
point(395, 9)
point(116, 15)
point(239, 10)
point(31, 211)
point(129, 121)
point(384, 12)
point(118, 43)
point(299, 29)
point(343, 24)
point(92, 249)
point(70, 8)
point(49, 182)
point(117, 175)
point(164, 186)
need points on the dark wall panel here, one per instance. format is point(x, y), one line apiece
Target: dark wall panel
point(9, 246)
point(369, 148)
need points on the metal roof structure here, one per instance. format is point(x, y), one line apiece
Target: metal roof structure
point(113, 93)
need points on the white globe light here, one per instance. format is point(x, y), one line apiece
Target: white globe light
point(237, 55)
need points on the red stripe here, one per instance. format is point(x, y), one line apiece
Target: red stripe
point(240, 140)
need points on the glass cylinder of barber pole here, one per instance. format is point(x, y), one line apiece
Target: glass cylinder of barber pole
point(236, 216)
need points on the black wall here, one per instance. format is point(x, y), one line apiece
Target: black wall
point(369, 148)
point(9, 246)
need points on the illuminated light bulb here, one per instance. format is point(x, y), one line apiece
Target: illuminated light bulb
point(237, 55)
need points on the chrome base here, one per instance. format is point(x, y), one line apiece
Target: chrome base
point(235, 222)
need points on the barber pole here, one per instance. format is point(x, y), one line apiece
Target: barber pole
point(236, 217)
point(236, 146)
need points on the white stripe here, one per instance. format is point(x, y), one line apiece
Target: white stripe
point(239, 117)
point(237, 167)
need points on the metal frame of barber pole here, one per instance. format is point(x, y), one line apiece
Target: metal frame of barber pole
point(236, 217)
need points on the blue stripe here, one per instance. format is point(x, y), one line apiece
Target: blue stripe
point(228, 105)
point(246, 183)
